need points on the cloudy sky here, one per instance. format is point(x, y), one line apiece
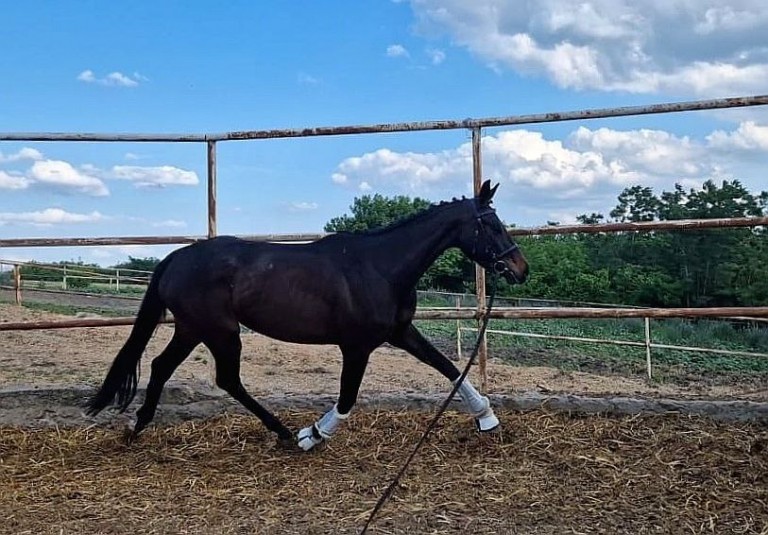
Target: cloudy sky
point(183, 67)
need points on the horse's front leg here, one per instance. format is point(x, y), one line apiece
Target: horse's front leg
point(479, 406)
point(352, 371)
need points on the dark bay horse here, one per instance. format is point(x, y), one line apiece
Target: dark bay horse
point(354, 290)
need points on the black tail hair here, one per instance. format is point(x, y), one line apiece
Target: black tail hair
point(123, 376)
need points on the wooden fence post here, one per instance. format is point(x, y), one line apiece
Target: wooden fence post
point(17, 282)
point(458, 328)
point(212, 230)
point(648, 347)
point(477, 178)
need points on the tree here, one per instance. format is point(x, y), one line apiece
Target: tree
point(452, 271)
point(139, 264)
point(376, 211)
point(637, 203)
point(690, 268)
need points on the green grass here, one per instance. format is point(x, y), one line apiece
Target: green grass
point(73, 310)
point(668, 365)
point(133, 290)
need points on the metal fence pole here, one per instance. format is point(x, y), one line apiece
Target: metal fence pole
point(17, 282)
point(458, 328)
point(477, 178)
point(211, 189)
point(648, 347)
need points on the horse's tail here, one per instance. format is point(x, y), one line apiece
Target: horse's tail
point(123, 376)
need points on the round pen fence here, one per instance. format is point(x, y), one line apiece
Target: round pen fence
point(475, 126)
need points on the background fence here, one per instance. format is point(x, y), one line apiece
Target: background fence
point(475, 126)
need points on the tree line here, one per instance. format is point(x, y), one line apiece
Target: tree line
point(717, 267)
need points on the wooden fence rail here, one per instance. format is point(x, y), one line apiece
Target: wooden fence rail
point(645, 226)
point(463, 314)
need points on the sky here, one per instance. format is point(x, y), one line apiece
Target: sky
point(202, 67)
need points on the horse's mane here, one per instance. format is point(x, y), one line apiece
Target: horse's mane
point(416, 216)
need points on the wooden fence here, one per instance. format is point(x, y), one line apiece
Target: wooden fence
point(474, 125)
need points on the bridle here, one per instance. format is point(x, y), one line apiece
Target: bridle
point(497, 265)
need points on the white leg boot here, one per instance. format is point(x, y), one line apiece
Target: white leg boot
point(321, 430)
point(478, 406)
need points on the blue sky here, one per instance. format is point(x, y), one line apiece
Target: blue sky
point(195, 67)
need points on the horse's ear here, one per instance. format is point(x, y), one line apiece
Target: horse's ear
point(486, 193)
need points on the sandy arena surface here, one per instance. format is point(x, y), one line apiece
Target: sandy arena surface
point(546, 473)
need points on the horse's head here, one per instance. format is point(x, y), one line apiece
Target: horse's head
point(486, 241)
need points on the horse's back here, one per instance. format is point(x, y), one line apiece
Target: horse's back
point(296, 293)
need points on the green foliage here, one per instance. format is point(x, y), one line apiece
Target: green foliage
point(376, 211)
point(667, 269)
point(139, 264)
point(720, 267)
point(451, 271)
point(561, 270)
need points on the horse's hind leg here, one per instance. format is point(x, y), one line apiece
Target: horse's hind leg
point(479, 406)
point(226, 348)
point(352, 371)
point(181, 345)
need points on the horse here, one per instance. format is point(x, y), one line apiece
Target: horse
point(354, 290)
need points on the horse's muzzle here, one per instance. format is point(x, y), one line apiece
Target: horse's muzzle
point(514, 268)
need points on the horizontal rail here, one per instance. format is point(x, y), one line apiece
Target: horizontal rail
point(641, 226)
point(619, 342)
point(464, 314)
point(596, 113)
point(28, 290)
point(69, 324)
point(65, 266)
point(583, 312)
point(645, 226)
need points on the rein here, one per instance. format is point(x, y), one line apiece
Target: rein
point(480, 334)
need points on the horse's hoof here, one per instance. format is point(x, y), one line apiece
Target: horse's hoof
point(130, 435)
point(497, 430)
point(288, 444)
point(488, 423)
point(309, 440)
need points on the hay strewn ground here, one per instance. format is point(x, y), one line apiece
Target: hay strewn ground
point(547, 473)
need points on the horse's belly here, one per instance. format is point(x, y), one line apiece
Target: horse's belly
point(305, 325)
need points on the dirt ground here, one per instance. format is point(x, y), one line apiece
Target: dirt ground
point(546, 473)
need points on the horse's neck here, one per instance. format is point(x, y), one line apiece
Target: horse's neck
point(405, 252)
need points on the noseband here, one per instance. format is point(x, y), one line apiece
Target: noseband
point(498, 265)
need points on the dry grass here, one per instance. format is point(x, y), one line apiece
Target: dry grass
point(548, 473)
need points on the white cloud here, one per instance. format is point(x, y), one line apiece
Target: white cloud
point(397, 51)
point(303, 206)
point(63, 175)
point(703, 48)
point(307, 79)
point(170, 223)
point(25, 153)
point(13, 181)
point(436, 56)
point(587, 168)
point(48, 217)
point(748, 136)
point(113, 79)
point(132, 156)
point(165, 175)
